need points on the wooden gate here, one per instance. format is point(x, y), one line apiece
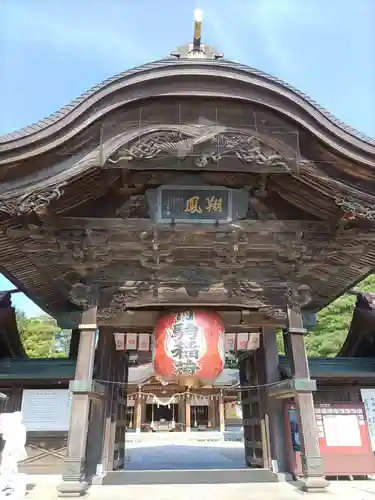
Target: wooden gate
point(94, 436)
point(255, 419)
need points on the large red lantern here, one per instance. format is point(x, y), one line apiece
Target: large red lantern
point(189, 347)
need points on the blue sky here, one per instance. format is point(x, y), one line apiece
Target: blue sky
point(51, 51)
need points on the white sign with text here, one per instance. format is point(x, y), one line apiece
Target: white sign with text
point(46, 410)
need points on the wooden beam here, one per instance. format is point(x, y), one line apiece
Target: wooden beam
point(227, 163)
point(135, 224)
point(234, 321)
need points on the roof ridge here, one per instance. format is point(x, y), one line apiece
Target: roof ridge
point(64, 111)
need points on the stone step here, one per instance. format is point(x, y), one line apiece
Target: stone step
point(209, 476)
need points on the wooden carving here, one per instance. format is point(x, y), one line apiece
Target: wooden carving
point(84, 296)
point(350, 205)
point(35, 201)
point(208, 144)
point(298, 296)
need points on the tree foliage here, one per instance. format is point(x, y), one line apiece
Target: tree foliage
point(41, 337)
point(333, 323)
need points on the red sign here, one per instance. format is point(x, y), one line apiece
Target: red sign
point(189, 344)
point(343, 439)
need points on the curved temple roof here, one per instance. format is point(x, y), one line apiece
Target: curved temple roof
point(69, 112)
point(72, 151)
point(360, 341)
point(172, 67)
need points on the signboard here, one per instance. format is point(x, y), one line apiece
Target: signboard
point(230, 342)
point(248, 341)
point(192, 204)
point(339, 426)
point(143, 341)
point(46, 410)
point(343, 439)
point(368, 398)
point(342, 430)
point(131, 341)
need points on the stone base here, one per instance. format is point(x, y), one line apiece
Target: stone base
point(315, 484)
point(98, 480)
point(73, 488)
point(284, 477)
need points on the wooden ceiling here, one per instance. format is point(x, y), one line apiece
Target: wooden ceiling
point(76, 217)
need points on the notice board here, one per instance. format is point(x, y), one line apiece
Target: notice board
point(46, 409)
point(343, 435)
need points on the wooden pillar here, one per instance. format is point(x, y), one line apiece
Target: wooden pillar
point(214, 412)
point(275, 407)
point(109, 441)
point(143, 414)
point(211, 414)
point(182, 411)
point(121, 377)
point(110, 372)
point(221, 413)
point(74, 343)
point(187, 414)
point(74, 476)
point(217, 412)
point(138, 411)
point(312, 462)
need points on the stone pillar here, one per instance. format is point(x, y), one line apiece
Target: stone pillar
point(275, 407)
point(74, 475)
point(187, 414)
point(138, 412)
point(312, 462)
point(221, 413)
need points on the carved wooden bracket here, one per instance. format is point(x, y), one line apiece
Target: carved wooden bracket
point(85, 296)
point(297, 296)
point(36, 201)
point(350, 205)
point(273, 312)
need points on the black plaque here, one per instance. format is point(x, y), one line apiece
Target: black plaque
point(195, 204)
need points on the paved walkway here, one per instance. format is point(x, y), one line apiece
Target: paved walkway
point(356, 490)
point(224, 455)
point(156, 456)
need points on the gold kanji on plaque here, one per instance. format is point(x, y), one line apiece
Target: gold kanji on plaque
point(192, 205)
point(214, 204)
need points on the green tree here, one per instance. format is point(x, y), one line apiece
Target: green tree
point(41, 337)
point(21, 322)
point(333, 323)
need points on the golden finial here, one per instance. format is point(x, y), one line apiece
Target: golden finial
point(198, 18)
